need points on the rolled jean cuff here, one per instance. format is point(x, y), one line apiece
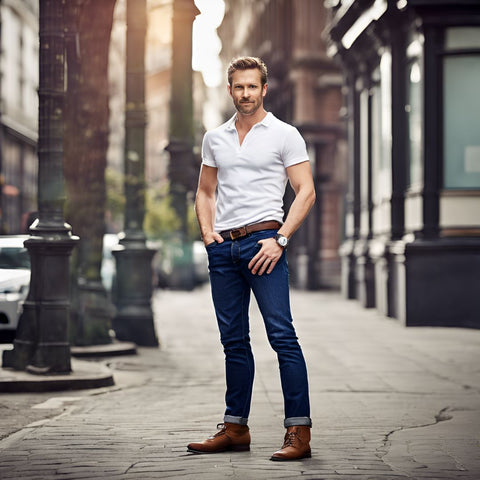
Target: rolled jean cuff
point(237, 420)
point(298, 422)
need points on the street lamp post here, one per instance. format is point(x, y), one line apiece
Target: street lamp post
point(134, 318)
point(180, 146)
point(41, 345)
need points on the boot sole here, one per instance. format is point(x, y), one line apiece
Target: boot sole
point(283, 459)
point(233, 448)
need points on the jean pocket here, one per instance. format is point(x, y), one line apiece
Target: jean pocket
point(211, 244)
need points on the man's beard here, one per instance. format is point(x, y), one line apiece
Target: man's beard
point(247, 107)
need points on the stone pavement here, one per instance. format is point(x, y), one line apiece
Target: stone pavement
point(387, 403)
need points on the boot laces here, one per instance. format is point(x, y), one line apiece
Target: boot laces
point(222, 429)
point(290, 439)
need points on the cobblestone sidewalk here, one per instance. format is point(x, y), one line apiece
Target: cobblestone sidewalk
point(387, 403)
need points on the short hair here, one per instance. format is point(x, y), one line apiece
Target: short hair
point(247, 63)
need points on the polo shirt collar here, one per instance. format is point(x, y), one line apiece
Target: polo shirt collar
point(230, 125)
point(266, 121)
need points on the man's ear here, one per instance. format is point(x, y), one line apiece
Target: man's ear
point(229, 89)
point(265, 88)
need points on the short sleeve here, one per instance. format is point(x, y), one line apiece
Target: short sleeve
point(207, 154)
point(294, 148)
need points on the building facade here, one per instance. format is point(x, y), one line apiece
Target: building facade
point(304, 89)
point(18, 113)
point(158, 89)
point(412, 70)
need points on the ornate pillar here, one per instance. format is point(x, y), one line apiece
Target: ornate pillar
point(181, 133)
point(42, 344)
point(134, 319)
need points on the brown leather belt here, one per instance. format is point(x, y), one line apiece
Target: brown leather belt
point(248, 229)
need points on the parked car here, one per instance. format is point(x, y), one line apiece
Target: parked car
point(14, 282)
point(15, 278)
point(171, 267)
point(108, 270)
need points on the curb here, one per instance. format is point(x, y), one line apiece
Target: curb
point(85, 375)
point(107, 350)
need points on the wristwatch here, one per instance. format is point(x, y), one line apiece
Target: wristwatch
point(281, 240)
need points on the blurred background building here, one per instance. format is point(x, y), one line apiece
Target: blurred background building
point(18, 112)
point(304, 89)
point(384, 93)
point(158, 64)
point(412, 70)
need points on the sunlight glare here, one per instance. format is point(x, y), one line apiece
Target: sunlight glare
point(206, 42)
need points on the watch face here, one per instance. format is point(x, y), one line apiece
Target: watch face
point(282, 241)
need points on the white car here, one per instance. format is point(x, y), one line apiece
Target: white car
point(108, 270)
point(14, 280)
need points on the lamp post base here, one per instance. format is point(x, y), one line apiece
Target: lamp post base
point(42, 345)
point(92, 317)
point(133, 321)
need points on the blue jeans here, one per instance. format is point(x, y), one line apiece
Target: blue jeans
point(231, 283)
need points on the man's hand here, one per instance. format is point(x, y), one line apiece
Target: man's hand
point(266, 259)
point(212, 237)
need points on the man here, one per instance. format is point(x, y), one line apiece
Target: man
point(246, 163)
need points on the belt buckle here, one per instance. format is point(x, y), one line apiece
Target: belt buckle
point(237, 233)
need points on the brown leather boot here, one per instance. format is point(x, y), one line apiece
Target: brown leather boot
point(231, 437)
point(295, 446)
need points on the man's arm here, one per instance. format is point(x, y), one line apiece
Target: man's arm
point(205, 204)
point(301, 180)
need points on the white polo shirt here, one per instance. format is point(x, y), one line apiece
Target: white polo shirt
point(252, 176)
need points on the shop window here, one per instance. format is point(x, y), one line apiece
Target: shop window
point(376, 143)
point(462, 38)
point(415, 112)
point(382, 128)
point(364, 145)
point(461, 109)
point(385, 171)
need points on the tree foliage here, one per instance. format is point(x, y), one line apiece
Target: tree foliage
point(115, 199)
point(161, 218)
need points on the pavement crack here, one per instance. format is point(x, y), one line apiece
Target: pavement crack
point(442, 416)
point(133, 465)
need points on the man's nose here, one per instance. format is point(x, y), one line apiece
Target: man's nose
point(245, 92)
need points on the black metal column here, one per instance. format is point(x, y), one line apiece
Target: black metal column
point(365, 274)
point(134, 319)
point(352, 200)
point(42, 344)
point(432, 153)
point(181, 133)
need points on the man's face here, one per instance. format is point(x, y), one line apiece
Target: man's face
point(246, 91)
